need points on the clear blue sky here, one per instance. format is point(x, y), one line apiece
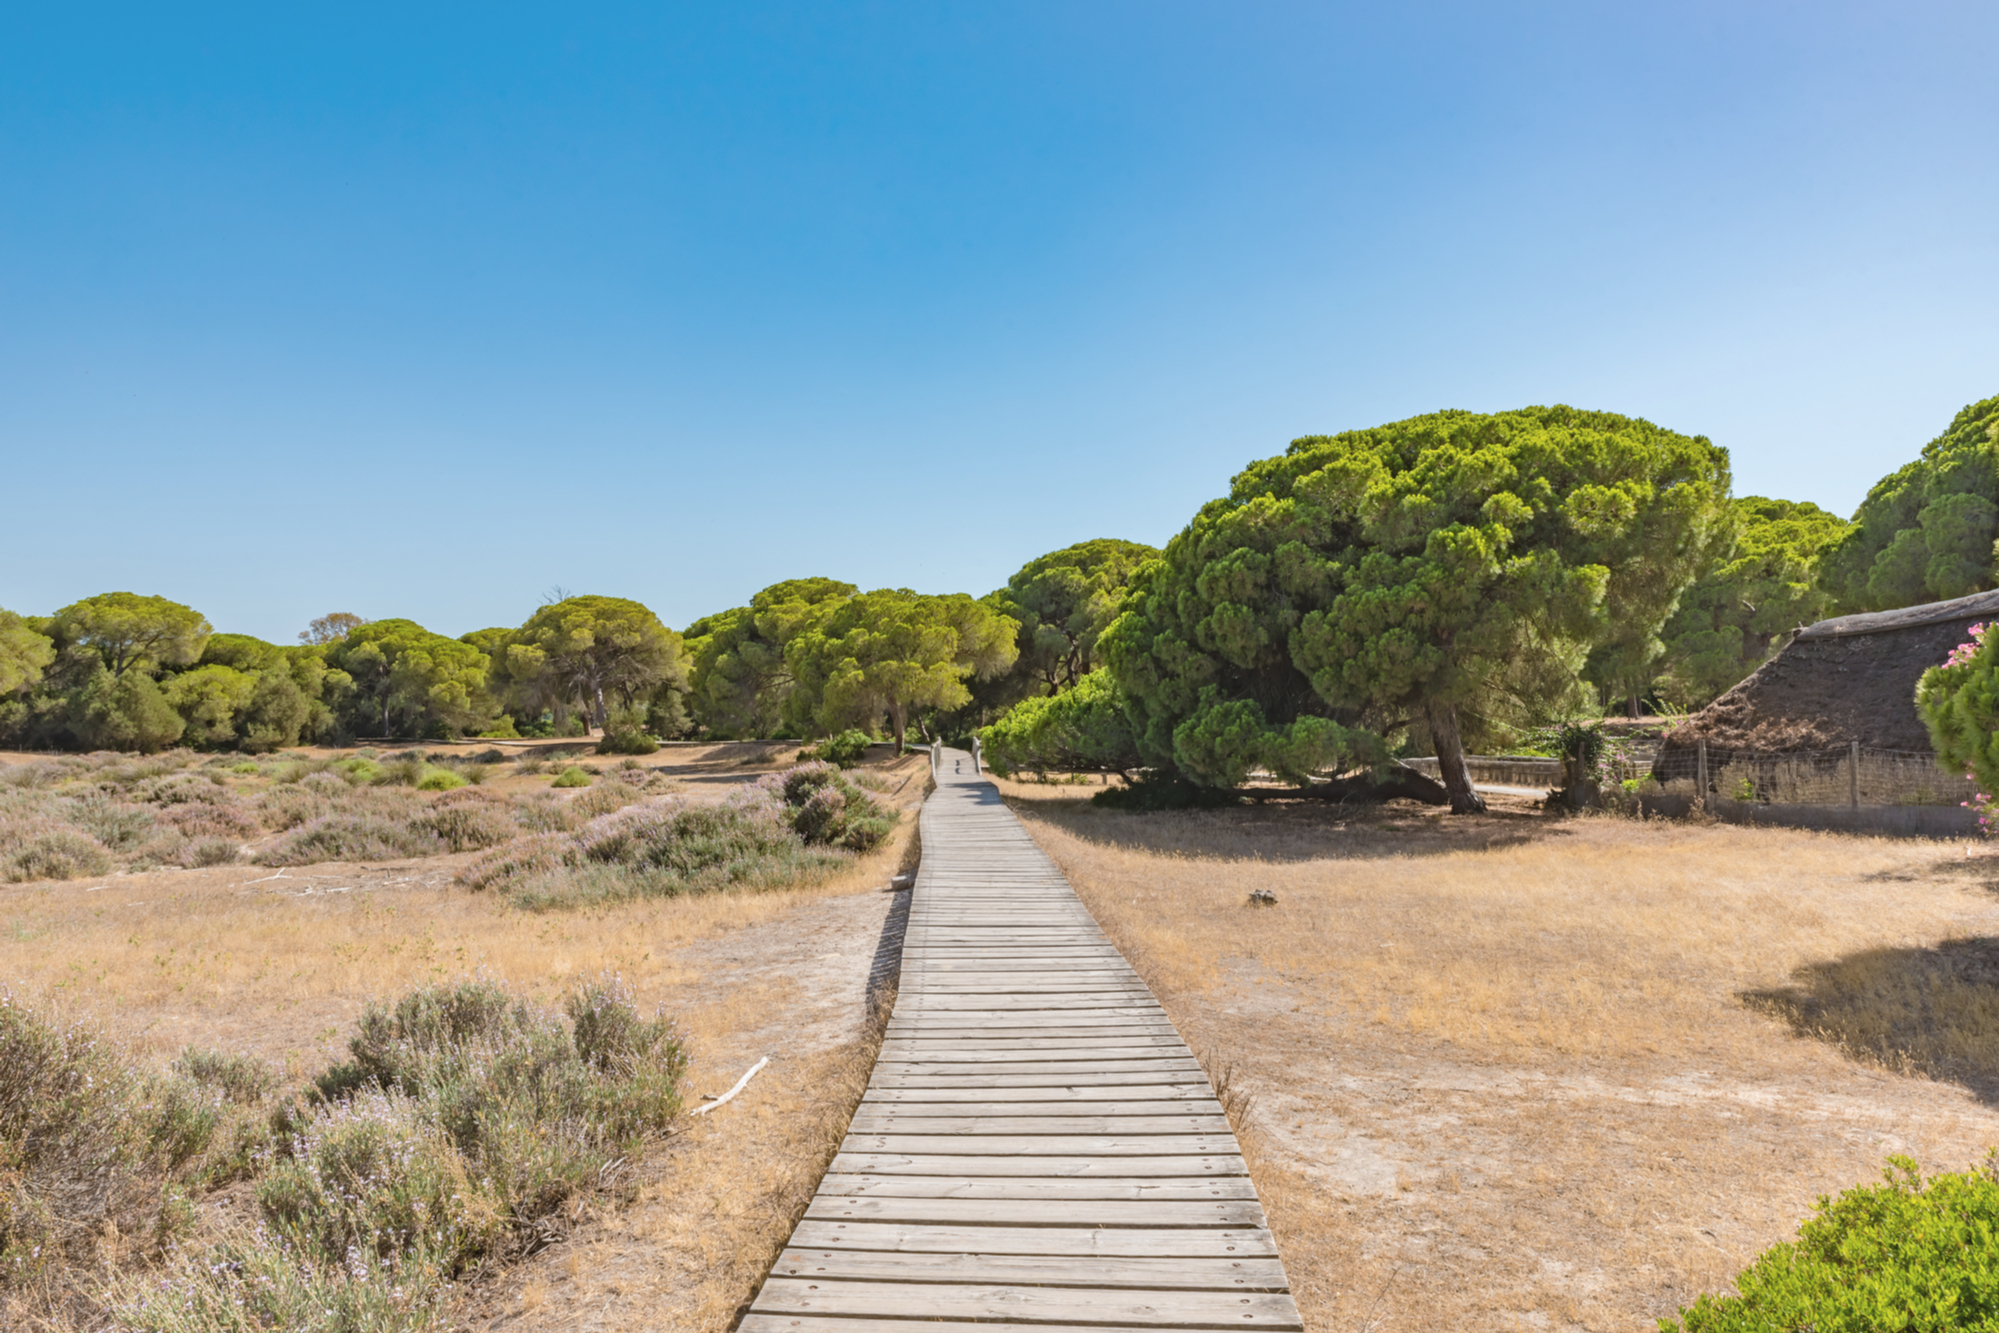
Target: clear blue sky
point(420, 310)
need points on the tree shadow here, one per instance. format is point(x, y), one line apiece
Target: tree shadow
point(1933, 1011)
point(1304, 830)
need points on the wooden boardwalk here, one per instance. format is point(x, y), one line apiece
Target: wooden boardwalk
point(1037, 1147)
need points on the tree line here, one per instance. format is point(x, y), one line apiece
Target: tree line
point(1422, 586)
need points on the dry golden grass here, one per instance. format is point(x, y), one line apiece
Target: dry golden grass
point(235, 959)
point(1512, 1071)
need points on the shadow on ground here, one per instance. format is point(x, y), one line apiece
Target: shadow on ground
point(1930, 1011)
point(1302, 830)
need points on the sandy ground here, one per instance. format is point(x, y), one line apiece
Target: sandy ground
point(282, 964)
point(1503, 1073)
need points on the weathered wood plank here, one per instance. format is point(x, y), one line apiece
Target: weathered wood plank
point(1147, 1272)
point(1198, 1188)
point(1036, 1146)
point(1138, 1309)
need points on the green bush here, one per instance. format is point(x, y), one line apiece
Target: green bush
point(1958, 701)
point(571, 777)
point(791, 827)
point(1163, 791)
point(340, 837)
point(68, 1146)
point(466, 827)
point(40, 848)
point(439, 779)
point(845, 750)
point(627, 740)
point(1908, 1254)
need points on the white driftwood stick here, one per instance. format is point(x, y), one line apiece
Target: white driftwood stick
point(741, 1084)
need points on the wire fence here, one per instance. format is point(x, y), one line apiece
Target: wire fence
point(1851, 775)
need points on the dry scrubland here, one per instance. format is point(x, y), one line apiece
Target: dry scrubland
point(280, 961)
point(1513, 1071)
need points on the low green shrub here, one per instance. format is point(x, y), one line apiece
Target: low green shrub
point(467, 827)
point(1908, 1254)
point(69, 1150)
point(845, 750)
point(571, 777)
point(1158, 790)
point(439, 779)
point(119, 826)
point(789, 828)
point(342, 837)
point(41, 848)
point(630, 741)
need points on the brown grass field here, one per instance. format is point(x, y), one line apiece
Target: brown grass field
point(237, 958)
point(1521, 1072)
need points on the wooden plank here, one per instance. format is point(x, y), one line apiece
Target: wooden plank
point(1036, 1147)
point(1149, 1273)
point(1155, 1213)
point(1196, 1188)
point(1041, 1168)
point(928, 1300)
point(978, 1126)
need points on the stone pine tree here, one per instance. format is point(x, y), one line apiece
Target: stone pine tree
point(738, 678)
point(1926, 531)
point(1447, 574)
point(882, 654)
point(1064, 601)
point(403, 679)
point(25, 653)
point(596, 650)
point(130, 630)
point(1734, 617)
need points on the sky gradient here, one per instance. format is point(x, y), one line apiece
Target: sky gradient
point(422, 313)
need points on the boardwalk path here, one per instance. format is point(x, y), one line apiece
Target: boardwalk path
point(1037, 1146)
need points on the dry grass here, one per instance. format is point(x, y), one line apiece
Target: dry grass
point(281, 963)
point(1513, 1071)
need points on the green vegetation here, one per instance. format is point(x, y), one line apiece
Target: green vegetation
point(1926, 531)
point(1959, 701)
point(1735, 616)
point(1910, 1254)
point(571, 777)
point(1063, 602)
point(597, 650)
point(464, 1117)
point(1449, 573)
point(1080, 728)
point(791, 827)
point(842, 751)
point(740, 681)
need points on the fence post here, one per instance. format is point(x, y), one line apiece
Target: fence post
point(1701, 772)
point(1854, 775)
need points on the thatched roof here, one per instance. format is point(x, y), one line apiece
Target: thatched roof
point(1852, 678)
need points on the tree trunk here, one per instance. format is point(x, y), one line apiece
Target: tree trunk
point(601, 717)
point(1451, 759)
point(1632, 704)
point(896, 712)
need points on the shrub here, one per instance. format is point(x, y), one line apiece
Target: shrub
point(439, 779)
point(627, 741)
point(67, 1141)
point(845, 750)
point(186, 789)
point(242, 1079)
point(828, 810)
point(349, 838)
point(571, 777)
point(118, 825)
point(212, 821)
point(40, 848)
point(1157, 790)
point(1958, 701)
point(1905, 1254)
point(467, 827)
